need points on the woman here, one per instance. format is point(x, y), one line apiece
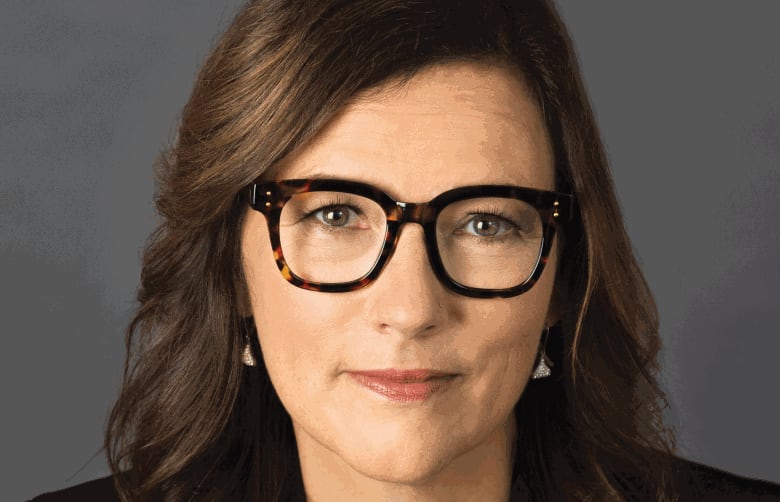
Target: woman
point(391, 265)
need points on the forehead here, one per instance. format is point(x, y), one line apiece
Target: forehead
point(451, 125)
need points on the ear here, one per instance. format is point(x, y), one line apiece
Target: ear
point(243, 303)
point(241, 286)
point(244, 310)
point(554, 311)
point(558, 298)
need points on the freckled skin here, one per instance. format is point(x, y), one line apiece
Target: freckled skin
point(453, 125)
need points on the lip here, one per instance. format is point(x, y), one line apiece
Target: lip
point(404, 386)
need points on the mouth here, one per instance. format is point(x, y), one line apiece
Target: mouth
point(404, 386)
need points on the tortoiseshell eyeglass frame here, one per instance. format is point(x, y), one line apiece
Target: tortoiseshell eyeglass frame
point(270, 197)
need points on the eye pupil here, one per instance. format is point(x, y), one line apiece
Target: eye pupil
point(337, 217)
point(485, 226)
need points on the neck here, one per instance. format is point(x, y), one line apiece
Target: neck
point(481, 473)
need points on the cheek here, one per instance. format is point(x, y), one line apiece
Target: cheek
point(504, 339)
point(295, 327)
point(286, 328)
point(503, 350)
point(281, 324)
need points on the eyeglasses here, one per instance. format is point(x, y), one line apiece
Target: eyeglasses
point(482, 241)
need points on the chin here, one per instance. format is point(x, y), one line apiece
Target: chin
point(409, 472)
point(399, 462)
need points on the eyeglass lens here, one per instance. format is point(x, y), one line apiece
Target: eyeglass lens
point(483, 242)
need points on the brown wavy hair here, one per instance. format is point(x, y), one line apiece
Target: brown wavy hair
point(192, 422)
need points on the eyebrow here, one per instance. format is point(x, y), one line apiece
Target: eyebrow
point(378, 184)
point(319, 175)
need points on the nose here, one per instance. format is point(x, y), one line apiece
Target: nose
point(407, 299)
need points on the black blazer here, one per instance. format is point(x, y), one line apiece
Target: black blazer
point(694, 481)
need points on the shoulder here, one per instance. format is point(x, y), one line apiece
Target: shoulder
point(101, 489)
point(695, 481)
point(692, 480)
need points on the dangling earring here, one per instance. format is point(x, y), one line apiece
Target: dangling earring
point(542, 369)
point(247, 357)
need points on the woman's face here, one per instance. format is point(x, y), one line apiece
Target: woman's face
point(453, 125)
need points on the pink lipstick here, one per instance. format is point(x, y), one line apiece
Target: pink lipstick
point(403, 386)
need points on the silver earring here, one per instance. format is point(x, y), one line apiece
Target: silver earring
point(542, 369)
point(246, 357)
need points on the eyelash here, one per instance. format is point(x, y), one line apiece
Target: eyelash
point(496, 212)
point(489, 211)
point(333, 202)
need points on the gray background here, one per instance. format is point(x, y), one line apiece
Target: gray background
point(688, 98)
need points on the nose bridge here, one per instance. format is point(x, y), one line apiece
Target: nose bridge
point(409, 212)
point(422, 214)
point(411, 300)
